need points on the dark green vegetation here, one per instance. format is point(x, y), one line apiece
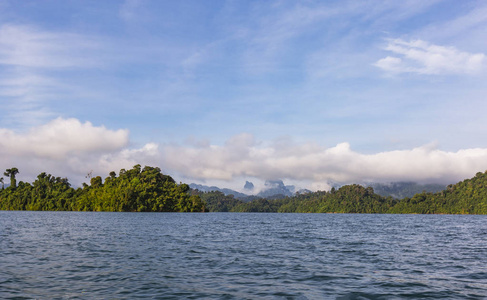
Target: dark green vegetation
point(149, 190)
point(347, 199)
point(400, 190)
point(466, 197)
point(137, 189)
point(11, 173)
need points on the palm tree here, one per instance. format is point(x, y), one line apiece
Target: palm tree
point(12, 172)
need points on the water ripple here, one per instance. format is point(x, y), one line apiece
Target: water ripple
point(69, 255)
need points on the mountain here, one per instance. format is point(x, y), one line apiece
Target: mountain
point(225, 191)
point(400, 190)
point(465, 197)
point(249, 186)
point(275, 189)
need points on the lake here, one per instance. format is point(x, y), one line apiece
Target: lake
point(89, 255)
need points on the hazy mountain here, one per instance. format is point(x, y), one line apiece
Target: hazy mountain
point(249, 186)
point(275, 189)
point(225, 191)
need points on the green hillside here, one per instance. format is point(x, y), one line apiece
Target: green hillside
point(148, 190)
point(466, 197)
point(144, 190)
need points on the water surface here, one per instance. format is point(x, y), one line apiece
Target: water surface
point(86, 255)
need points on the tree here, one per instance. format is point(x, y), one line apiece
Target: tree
point(96, 182)
point(1, 181)
point(12, 172)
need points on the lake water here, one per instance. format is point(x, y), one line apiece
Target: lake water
point(86, 255)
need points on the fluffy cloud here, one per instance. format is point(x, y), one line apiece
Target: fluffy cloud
point(242, 157)
point(421, 57)
point(68, 147)
point(61, 138)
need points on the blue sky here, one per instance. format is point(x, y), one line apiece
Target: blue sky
point(219, 92)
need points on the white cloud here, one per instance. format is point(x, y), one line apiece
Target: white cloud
point(69, 148)
point(421, 57)
point(61, 138)
point(149, 154)
point(389, 63)
point(319, 165)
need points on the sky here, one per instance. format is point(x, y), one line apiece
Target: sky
point(314, 93)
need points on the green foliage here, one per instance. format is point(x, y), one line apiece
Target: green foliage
point(466, 197)
point(400, 190)
point(347, 199)
point(137, 189)
point(259, 205)
point(12, 173)
point(148, 190)
point(217, 201)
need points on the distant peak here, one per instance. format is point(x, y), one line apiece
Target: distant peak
point(248, 186)
point(274, 183)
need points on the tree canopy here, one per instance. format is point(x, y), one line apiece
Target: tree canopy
point(148, 190)
point(466, 197)
point(139, 189)
point(12, 172)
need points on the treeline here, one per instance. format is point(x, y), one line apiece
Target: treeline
point(401, 190)
point(347, 199)
point(466, 197)
point(148, 190)
point(138, 189)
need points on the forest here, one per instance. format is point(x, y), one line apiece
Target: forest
point(148, 190)
point(135, 190)
point(466, 197)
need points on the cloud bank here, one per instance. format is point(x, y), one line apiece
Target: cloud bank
point(61, 138)
point(68, 147)
point(423, 58)
point(241, 157)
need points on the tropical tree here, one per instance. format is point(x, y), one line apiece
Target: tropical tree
point(12, 172)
